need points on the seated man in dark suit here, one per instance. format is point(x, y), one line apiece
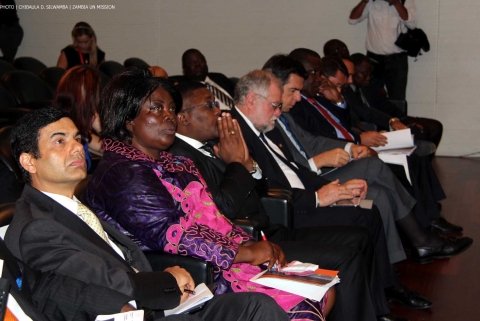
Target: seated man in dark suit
point(423, 128)
point(321, 117)
point(228, 172)
point(46, 296)
point(195, 68)
point(340, 73)
point(52, 231)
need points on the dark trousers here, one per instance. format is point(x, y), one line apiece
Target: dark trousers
point(391, 71)
point(236, 307)
point(378, 272)
point(10, 39)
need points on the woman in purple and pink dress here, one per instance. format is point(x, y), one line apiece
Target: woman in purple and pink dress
point(161, 201)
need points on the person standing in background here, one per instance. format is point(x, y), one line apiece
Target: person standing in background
point(11, 33)
point(386, 19)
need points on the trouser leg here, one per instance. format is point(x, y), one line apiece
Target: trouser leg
point(247, 306)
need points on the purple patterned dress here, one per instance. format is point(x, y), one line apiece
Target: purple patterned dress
point(164, 205)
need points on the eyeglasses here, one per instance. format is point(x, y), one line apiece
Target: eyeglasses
point(274, 105)
point(209, 104)
point(315, 72)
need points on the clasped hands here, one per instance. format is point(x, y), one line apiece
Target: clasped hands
point(231, 145)
point(334, 192)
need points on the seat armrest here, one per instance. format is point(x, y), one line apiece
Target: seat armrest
point(278, 205)
point(250, 227)
point(201, 271)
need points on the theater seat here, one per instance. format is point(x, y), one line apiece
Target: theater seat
point(135, 62)
point(29, 64)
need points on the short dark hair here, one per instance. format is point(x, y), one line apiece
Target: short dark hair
point(185, 89)
point(26, 133)
point(123, 97)
point(283, 66)
point(336, 48)
point(301, 54)
point(187, 52)
point(358, 59)
point(330, 66)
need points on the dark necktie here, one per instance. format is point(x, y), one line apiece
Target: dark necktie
point(208, 149)
point(220, 95)
point(281, 157)
point(292, 135)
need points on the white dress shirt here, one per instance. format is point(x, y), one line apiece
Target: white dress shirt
point(383, 25)
point(292, 177)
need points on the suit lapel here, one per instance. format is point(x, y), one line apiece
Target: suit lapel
point(71, 221)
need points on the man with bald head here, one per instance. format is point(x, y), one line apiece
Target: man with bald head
point(158, 72)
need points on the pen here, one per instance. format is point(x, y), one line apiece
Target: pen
point(189, 291)
point(263, 236)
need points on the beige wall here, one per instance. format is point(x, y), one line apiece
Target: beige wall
point(238, 36)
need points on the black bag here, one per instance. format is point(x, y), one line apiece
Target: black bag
point(413, 41)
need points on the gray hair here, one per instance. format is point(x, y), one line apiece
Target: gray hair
point(257, 81)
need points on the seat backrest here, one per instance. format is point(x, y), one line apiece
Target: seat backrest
point(29, 64)
point(7, 99)
point(52, 76)
point(131, 62)
point(5, 67)
point(110, 68)
point(26, 86)
point(401, 104)
point(6, 155)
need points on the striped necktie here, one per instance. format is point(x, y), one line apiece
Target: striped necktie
point(294, 139)
point(220, 95)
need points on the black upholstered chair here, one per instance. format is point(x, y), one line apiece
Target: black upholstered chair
point(5, 67)
point(52, 76)
point(29, 89)
point(131, 62)
point(7, 99)
point(110, 68)
point(29, 64)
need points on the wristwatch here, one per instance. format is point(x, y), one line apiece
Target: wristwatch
point(339, 104)
point(254, 167)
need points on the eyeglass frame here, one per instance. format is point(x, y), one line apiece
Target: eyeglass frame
point(209, 104)
point(274, 105)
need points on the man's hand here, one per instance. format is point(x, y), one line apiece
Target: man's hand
point(334, 192)
point(184, 280)
point(329, 91)
point(230, 146)
point(261, 252)
point(358, 187)
point(397, 125)
point(127, 307)
point(333, 158)
point(359, 151)
point(373, 139)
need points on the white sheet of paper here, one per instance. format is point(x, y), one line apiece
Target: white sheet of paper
point(136, 315)
point(202, 294)
point(397, 139)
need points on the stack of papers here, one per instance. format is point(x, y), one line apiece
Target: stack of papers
point(202, 295)
point(311, 284)
point(400, 145)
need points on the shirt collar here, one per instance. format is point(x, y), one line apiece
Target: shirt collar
point(70, 204)
point(249, 123)
point(190, 141)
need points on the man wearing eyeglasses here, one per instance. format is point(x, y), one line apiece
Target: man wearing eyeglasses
point(229, 175)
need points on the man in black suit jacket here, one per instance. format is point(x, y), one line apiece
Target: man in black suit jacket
point(46, 296)
point(229, 172)
point(195, 68)
point(47, 233)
